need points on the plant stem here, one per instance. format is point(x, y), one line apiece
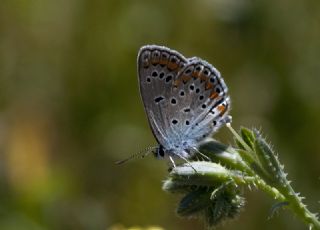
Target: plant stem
point(281, 190)
point(300, 209)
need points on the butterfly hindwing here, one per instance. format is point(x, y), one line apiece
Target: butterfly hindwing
point(205, 103)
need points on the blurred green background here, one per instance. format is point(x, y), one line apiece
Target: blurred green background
point(70, 105)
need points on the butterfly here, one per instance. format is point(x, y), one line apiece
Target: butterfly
point(185, 99)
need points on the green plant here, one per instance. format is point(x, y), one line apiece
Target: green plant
point(211, 186)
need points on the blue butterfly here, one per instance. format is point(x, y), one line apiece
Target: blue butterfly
point(185, 99)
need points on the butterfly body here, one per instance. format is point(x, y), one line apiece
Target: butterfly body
point(185, 99)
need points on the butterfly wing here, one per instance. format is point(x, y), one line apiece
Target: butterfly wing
point(185, 100)
point(207, 100)
point(158, 68)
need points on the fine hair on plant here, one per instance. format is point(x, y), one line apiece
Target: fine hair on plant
point(210, 185)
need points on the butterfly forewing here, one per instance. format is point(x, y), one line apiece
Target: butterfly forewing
point(157, 69)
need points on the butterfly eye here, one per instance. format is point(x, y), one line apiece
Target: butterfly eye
point(160, 151)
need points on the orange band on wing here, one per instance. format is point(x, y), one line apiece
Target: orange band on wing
point(195, 74)
point(222, 109)
point(163, 61)
point(204, 78)
point(172, 65)
point(176, 83)
point(208, 85)
point(154, 61)
point(214, 95)
point(185, 78)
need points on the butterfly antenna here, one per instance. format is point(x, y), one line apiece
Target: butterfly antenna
point(140, 154)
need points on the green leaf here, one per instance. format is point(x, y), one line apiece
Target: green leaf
point(224, 154)
point(248, 137)
point(269, 161)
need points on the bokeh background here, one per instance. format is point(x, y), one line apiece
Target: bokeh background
point(70, 105)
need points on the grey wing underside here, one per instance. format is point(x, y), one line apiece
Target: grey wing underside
point(157, 70)
point(207, 97)
point(185, 99)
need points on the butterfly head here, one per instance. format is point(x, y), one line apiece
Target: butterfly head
point(161, 152)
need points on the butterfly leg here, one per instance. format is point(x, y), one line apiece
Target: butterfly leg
point(172, 161)
point(185, 159)
point(201, 154)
